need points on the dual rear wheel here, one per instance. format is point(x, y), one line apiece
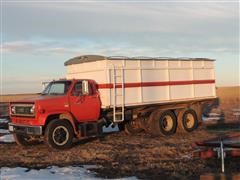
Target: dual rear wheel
point(165, 123)
point(162, 123)
point(187, 120)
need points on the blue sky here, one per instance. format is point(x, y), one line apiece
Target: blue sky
point(39, 36)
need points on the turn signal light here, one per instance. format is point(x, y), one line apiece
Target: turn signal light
point(13, 110)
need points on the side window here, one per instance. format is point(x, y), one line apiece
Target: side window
point(77, 90)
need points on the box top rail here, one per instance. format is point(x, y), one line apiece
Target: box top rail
point(93, 58)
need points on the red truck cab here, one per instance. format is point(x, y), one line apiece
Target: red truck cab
point(65, 109)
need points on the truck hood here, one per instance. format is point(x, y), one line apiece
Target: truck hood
point(47, 103)
point(38, 98)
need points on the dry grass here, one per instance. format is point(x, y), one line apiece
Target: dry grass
point(229, 100)
point(229, 93)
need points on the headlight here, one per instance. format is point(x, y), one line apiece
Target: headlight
point(32, 110)
point(13, 110)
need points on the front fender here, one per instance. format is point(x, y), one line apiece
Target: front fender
point(63, 115)
point(68, 116)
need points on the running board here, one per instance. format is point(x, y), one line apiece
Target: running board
point(90, 129)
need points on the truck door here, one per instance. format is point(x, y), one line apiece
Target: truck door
point(84, 102)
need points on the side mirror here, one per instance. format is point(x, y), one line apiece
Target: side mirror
point(85, 89)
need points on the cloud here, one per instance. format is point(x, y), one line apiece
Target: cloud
point(75, 48)
point(19, 46)
point(112, 27)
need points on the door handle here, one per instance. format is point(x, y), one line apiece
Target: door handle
point(80, 100)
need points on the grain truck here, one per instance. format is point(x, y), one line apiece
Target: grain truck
point(157, 95)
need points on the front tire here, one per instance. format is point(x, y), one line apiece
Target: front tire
point(59, 134)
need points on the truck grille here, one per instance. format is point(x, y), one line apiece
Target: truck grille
point(22, 110)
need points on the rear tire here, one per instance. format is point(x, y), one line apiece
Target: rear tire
point(189, 120)
point(162, 123)
point(59, 134)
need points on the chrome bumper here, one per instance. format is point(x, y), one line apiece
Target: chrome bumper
point(24, 129)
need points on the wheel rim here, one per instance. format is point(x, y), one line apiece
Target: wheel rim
point(60, 135)
point(189, 121)
point(167, 123)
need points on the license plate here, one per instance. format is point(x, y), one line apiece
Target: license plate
point(10, 128)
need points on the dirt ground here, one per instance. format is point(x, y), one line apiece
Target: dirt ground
point(120, 155)
point(143, 156)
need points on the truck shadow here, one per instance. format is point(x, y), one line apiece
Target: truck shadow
point(92, 138)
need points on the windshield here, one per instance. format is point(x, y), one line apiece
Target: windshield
point(57, 88)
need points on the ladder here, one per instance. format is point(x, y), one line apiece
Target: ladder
point(118, 82)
